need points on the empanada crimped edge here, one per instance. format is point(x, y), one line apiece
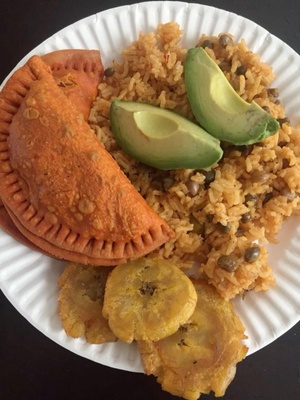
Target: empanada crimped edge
point(60, 183)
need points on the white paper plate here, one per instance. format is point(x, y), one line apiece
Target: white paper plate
point(29, 280)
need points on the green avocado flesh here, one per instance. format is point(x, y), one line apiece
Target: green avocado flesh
point(161, 138)
point(218, 108)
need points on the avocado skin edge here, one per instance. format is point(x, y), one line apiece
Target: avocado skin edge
point(248, 125)
point(124, 129)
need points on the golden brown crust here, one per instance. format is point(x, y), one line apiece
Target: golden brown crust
point(78, 74)
point(37, 242)
point(148, 299)
point(58, 181)
point(6, 223)
point(80, 303)
point(202, 355)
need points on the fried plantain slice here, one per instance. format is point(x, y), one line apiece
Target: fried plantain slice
point(147, 299)
point(202, 355)
point(80, 303)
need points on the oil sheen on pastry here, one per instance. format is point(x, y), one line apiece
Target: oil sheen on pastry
point(62, 189)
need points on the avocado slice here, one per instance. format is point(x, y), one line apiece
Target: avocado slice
point(218, 108)
point(161, 138)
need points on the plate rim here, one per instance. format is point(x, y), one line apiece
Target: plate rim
point(98, 16)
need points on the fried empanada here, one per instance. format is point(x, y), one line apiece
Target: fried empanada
point(202, 355)
point(78, 73)
point(62, 189)
point(80, 303)
point(7, 224)
point(148, 299)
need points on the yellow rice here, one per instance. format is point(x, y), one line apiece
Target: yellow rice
point(208, 224)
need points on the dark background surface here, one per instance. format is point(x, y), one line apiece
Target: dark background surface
point(31, 365)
